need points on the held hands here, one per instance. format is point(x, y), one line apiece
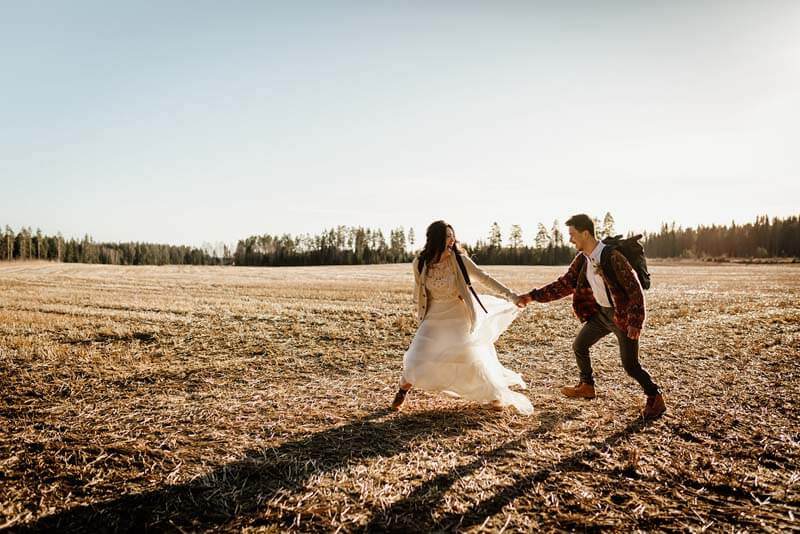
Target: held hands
point(522, 300)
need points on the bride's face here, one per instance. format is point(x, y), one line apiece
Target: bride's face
point(450, 240)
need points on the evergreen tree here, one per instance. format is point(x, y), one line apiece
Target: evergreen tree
point(515, 237)
point(9, 237)
point(542, 237)
point(557, 234)
point(39, 244)
point(25, 243)
point(608, 226)
point(495, 237)
point(398, 243)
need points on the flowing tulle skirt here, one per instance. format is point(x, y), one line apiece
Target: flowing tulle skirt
point(444, 356)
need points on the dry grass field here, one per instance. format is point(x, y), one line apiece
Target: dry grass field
point(191, 398)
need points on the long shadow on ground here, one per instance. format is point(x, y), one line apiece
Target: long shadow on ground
point(414, 512)
point(522, 484)
point(240, 488)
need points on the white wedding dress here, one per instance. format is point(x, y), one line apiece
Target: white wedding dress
point(444, 356)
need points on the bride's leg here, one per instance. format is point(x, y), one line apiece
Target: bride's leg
point(401, 394)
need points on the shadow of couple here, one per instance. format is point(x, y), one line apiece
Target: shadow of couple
point(240, 489)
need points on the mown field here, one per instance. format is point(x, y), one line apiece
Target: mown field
point(192, 398)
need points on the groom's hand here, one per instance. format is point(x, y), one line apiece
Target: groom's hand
point(634, 332)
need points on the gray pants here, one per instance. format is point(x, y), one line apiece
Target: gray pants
point(600, 325)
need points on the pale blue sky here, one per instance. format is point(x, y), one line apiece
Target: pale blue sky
point(184, 122)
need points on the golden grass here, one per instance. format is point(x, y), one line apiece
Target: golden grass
point(193, 398)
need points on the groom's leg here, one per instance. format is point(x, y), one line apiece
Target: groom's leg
point(593, 330)
point(629, 354)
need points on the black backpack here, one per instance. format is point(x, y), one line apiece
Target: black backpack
point(633, 252)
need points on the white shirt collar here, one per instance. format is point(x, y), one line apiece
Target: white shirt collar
point(594, 257)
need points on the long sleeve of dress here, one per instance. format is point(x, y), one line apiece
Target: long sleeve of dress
point(476, 272)
point(415, 268)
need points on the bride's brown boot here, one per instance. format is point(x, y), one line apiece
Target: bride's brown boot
point(399, 398)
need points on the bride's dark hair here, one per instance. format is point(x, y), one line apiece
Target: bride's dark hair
point(435, 243)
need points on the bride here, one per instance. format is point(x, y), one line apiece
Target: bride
point(453, 349)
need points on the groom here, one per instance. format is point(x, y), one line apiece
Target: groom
point(607, 298)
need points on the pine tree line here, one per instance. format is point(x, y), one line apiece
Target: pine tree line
point(548, 247)
point(29, 245)
point(342, 245)
point(345, 245)
point(779, 238)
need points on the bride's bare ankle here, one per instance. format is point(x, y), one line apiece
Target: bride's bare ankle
point(399, 398)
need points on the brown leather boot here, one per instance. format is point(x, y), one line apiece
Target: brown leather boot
point(655, 407)
point(497, 405)
point(399, 398)
point(581, 391)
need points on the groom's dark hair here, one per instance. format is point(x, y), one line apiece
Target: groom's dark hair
point(581, 223)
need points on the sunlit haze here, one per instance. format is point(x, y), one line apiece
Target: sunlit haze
point(186, 122)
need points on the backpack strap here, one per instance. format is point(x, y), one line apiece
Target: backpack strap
point(582, 280)
point(463, 269)
point(608, 271)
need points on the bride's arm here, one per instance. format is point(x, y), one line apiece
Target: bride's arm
point(414, 266)
point(476, 272)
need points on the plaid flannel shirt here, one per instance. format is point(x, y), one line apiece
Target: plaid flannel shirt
point(626, 293)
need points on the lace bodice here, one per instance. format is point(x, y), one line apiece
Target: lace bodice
point(441, 281)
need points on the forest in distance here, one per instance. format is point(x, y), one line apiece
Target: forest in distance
point(348, 245)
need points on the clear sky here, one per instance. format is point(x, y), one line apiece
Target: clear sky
point(191, 121)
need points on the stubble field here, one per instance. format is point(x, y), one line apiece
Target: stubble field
point(191, 398)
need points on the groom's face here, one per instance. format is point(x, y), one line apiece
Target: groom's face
point(577, 238)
